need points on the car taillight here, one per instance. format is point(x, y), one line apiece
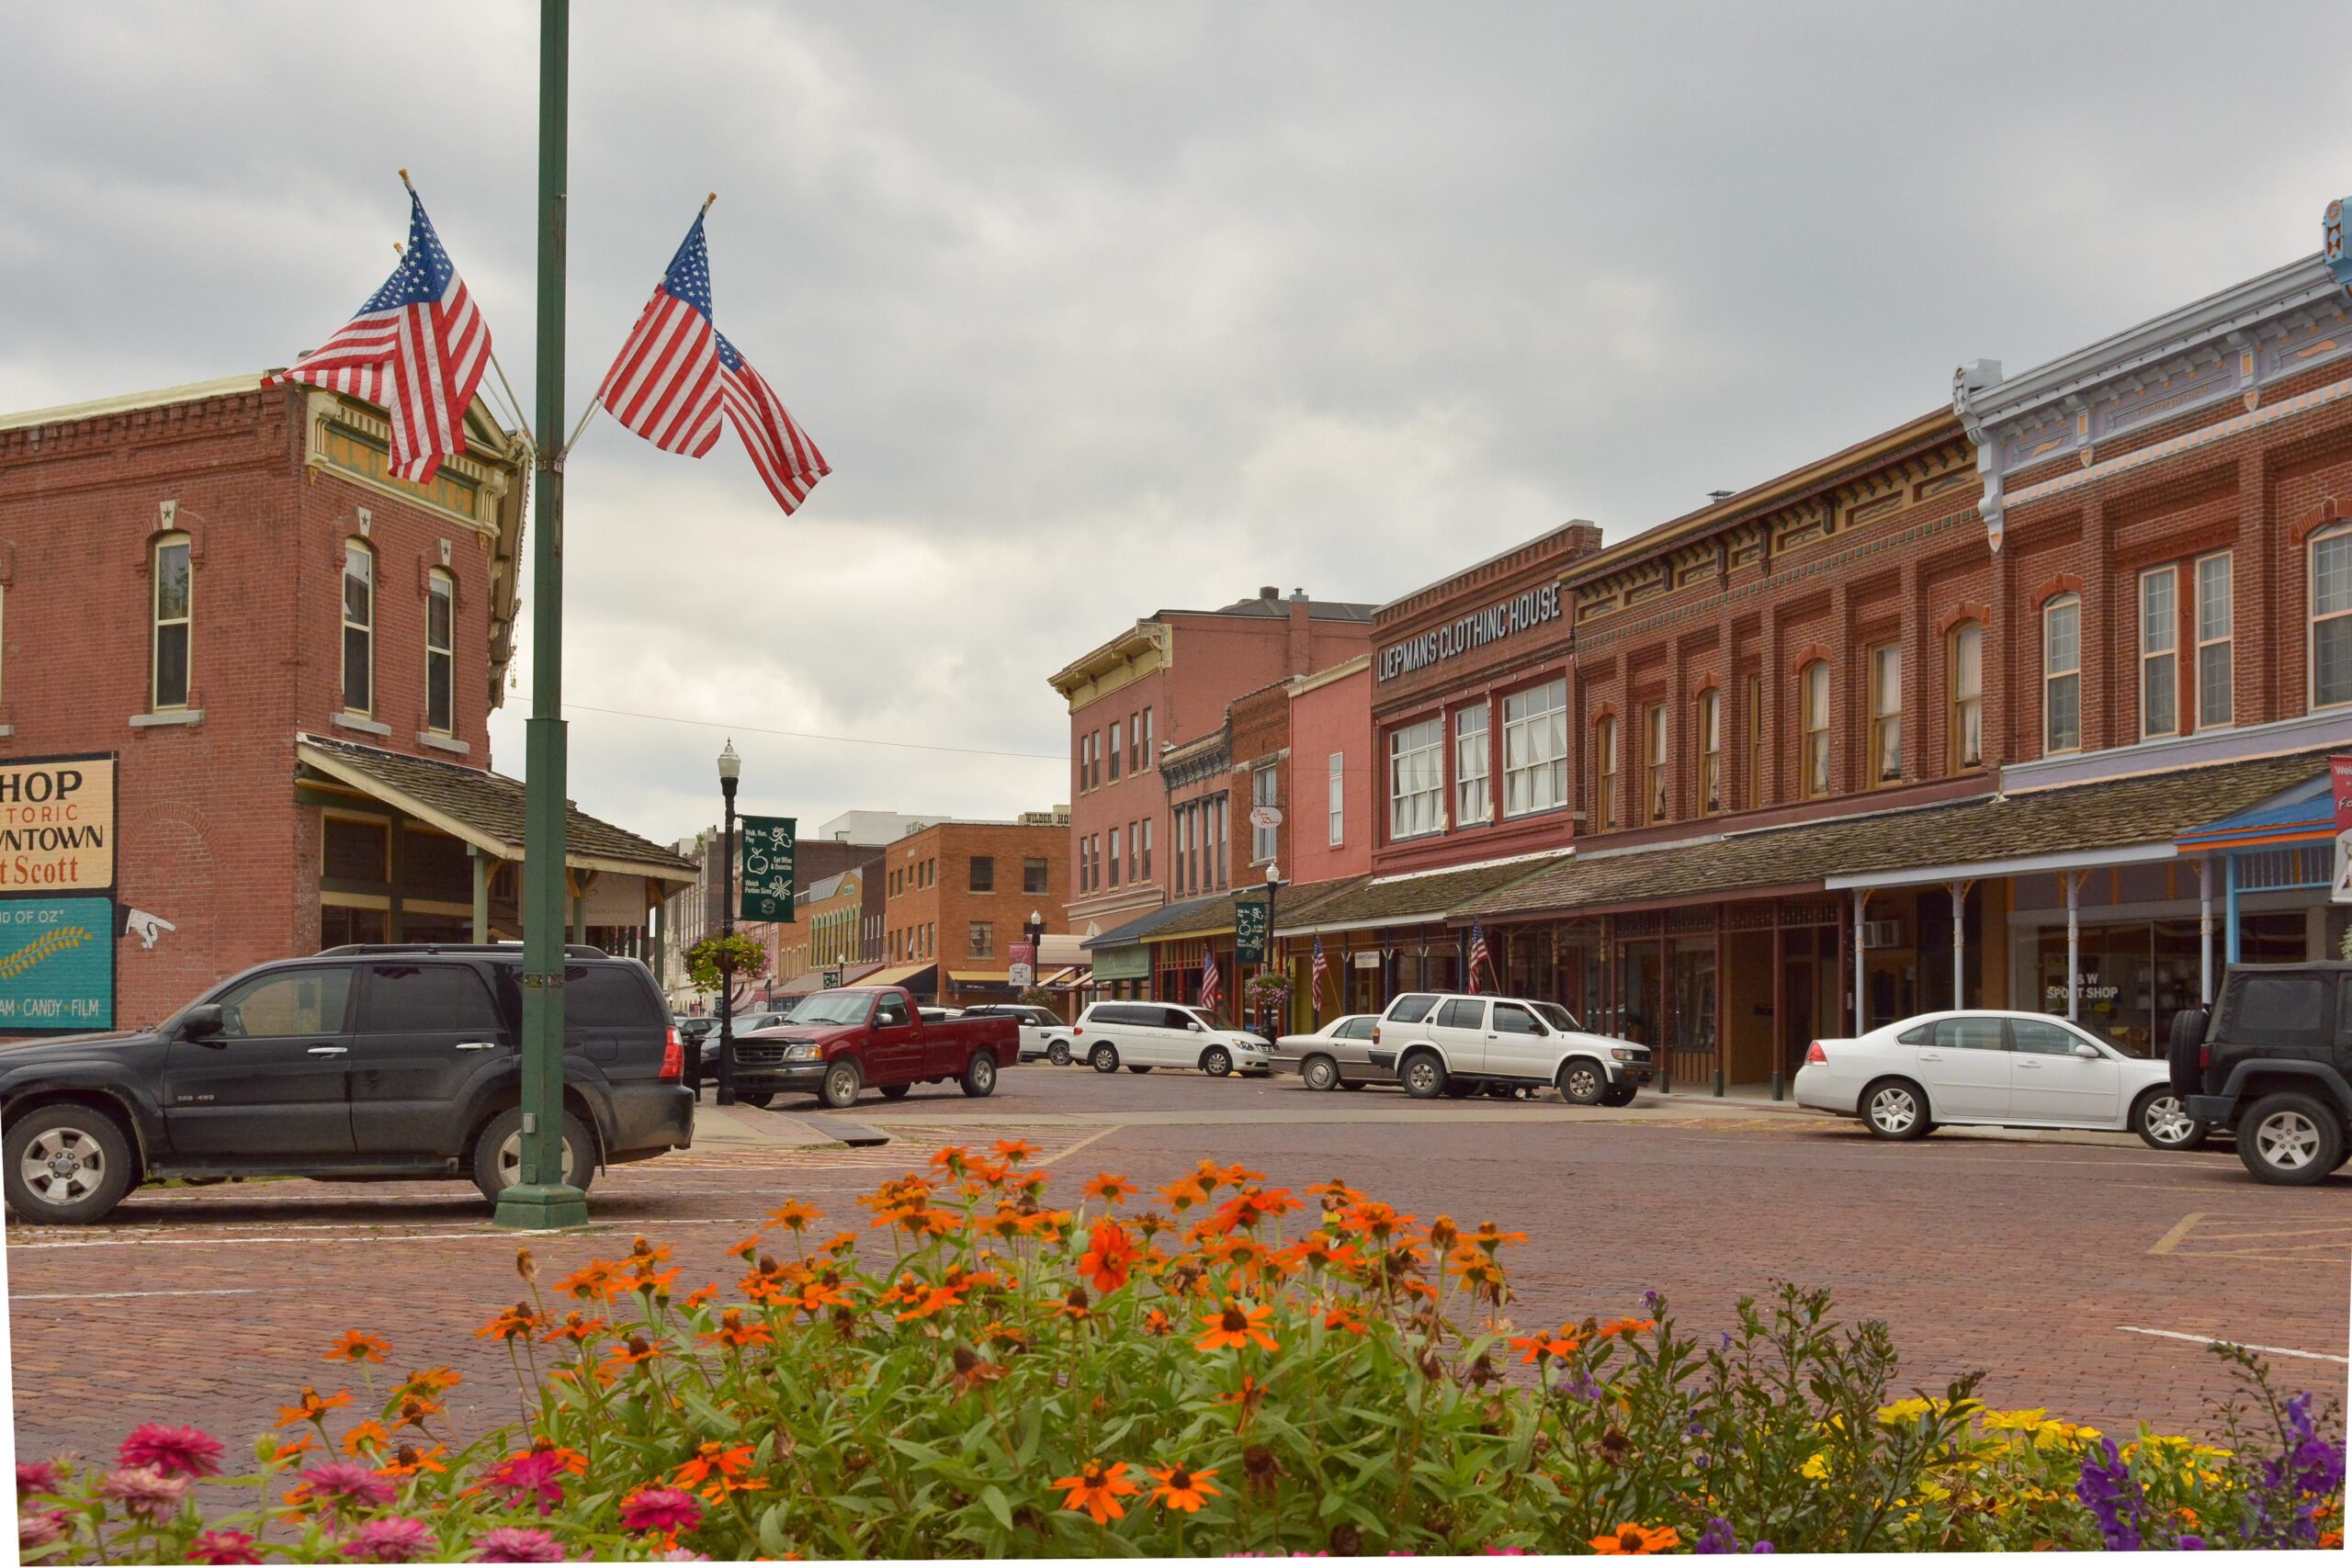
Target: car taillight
point(1815, 1055)
point(1376, 1034)
point(2204, 1055)
point(673, 1057)
point(1076, 1029)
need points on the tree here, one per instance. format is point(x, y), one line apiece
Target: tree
point(748, 958)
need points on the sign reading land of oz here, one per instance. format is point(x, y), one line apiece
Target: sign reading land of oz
point(57, 825)
point(768, 844)
point(56, 965)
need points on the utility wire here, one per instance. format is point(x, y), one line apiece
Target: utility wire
point(806, 735)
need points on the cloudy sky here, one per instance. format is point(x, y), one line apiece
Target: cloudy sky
point(1098, 308)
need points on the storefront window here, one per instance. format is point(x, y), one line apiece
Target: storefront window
point(2133, 976)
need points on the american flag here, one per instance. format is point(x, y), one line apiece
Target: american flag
point(676, 375)
point(1315, 980)
point(417, 346)
point(1209, 983)
point(1479, 957)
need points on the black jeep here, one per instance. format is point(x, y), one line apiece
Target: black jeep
point(364, 1063)
point(2272, 1061)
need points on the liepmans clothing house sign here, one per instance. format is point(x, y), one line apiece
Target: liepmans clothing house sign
point(58, 923)
point(1492, 624)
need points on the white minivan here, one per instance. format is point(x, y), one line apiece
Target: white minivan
point(1141, 1036)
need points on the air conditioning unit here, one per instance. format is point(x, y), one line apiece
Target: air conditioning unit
point(1882, 933)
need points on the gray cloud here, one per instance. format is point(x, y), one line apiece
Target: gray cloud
point(1101, 307)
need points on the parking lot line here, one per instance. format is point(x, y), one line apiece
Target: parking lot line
point(126, 1295)
point(2216, 1340)
point(2275, 1240)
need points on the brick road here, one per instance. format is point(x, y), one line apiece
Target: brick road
point(2029, 1259)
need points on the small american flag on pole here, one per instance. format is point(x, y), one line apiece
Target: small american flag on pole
point(676, 375)
point(417, 346)
point(1479, 957)
point(1315, 980)
point(1209, 983)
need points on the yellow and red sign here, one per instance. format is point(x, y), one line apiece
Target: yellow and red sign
point(57, 825)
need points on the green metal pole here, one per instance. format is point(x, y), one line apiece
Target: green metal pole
point(543, 1200)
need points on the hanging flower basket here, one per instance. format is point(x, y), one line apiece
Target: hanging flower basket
point(1268, 991)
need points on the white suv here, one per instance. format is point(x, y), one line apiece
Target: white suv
point(1141, 1036)
point(1444, 1044)
point(1043, 1033)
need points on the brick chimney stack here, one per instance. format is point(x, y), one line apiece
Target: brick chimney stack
point(1302, 640)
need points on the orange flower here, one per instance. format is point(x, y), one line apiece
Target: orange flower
point(1637, 1541)
point(714, 1458)
point(633, 1351)
point(700, 1294)
point(1345, 1319)
point(1235, 1175)
point(1013, 1151)
point(1251, 1204)
point(643, 1253)
point(952, 1158)
point(356, 1347)
point(407, 1462)
point(817, 1294)
point(577, 1329)
point(1320, 1251)
point(933, 1300)
point(1096, 1489)
point(1109, 1259)
point(1248, 1396)
point(415, 1412)
point(312, 1406)
point(1236, 1327)
point(517, 1321)
point(747, 1248)
point(647, 1282)
point(1182, 1193)
point(597, 1280)
point(734, 1333)
point(1538, 1346)
point(1109, 1188)
point(795, 1216)
point(1157, 1323)
point(1336, 1192)
point(430, 1383)
point(1489, 1238)
point(307, 1443)
point(1003, 1334)
point(1181, 1488)
point(366, 1437)
point(1626, 1326)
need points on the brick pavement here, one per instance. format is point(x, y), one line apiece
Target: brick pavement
point(2028, 1260)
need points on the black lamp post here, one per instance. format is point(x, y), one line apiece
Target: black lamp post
point(1034, 931)
point(731, 768)
point(1273, 885)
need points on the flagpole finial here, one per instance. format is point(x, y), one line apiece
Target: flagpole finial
point(708, 200)
point(404, 180)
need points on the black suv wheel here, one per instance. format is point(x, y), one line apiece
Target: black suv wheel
point(498, 1153)
point(67, 1165)
point(2287, 1140)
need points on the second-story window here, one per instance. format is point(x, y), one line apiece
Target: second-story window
point(1754, 703)
point(1149, 756)
point(1604, 772)
point(1037, 874)
point(1143, 832)
point(2062, 674)
point(2216, 677)
point(1812, 683)
point(1654, 742)
point(1711, 750)
point(983, 877)
point(1115, 751)
point(1966, 746)
point(1415, 778)
point(440, 652)
point(1336, 794)
point(1134, 743)
point(359, 627)
point(2159, 653)
point(1535, 748)
point(2332, 618)
point(1473, 801)
point(983, 939)
point(175, 618)
point(1262, 840)
point(1886, 713)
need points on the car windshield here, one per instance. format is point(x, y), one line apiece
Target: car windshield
point(1558, 1017)
point(832, 1007)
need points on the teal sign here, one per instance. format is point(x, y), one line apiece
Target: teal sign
point(767, 844)
point(1249, 931)
point(1122, 964)
point(56, 966)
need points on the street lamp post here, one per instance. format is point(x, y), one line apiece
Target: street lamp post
point(1273, 885)
point(731, 768)
point(1034, 931)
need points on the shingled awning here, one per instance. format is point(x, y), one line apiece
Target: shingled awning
point(483, 808)
point(1421, 897)
point(2101, 823)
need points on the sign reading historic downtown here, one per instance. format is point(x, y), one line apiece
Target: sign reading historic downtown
point(57, 825)
point(1249, 931)
point(768, 847)
point(56, 966)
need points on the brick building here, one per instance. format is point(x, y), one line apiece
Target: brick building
point(290, 658)
point(956, 896)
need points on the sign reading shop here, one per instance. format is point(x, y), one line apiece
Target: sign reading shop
point(1490, 625)
point(57, 825)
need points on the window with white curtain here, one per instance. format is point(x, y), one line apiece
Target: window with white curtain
point(2216, 678)
point(2062, 674)
point(1535, 748)
point(2159, 652)
point(1415, 778)
point(2332, 618)
point(1472, 798)
point(1339, 798)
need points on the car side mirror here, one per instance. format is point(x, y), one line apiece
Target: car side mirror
point(203, 1021)
point(1197, 1027)
point(2086, 1051)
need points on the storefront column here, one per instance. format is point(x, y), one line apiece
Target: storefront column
point(1722, 992)
point(2073, 880)
point(1779, 996)
point(1862, 1026)
point(2205, 930)
point(2230, 906)
point(1959, 941)
point(482, 892)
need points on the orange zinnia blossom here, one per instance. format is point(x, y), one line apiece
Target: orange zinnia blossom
point(1181, 1488)
point(1341, 1317)
point(312, 1406)
point(1637, 1541)
point(700, 1294)
point(734, 1333)
point(1109, 1188)
point(1626, 1326)
point(1096, 1489)
point(1157, 1321)
point(951, 1158)
point(747, 1248)
point(1109, 1259)
point(577, 1329)
point(933, 1300)
point(794, 1215)
point(714, 1458)
point(517, 1321)
point(1538, 1346)
point(307, 1443)
point(354, 1346)
point(431, 1383)
point(366, 1437)
point(407, 1462)
point(1489, 1238)
point(1014, 1150)
point(1236, 1327)
point(1182, 1193)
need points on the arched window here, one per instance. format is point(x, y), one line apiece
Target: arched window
point(2062, 674)
point(1813, 694)
point(175, 612)
point(1711, 750)
point(359, 627)
point(1604, 770)
point(440, 652)
point(1654, 732)
point(1964, 647)
point(2331, 566)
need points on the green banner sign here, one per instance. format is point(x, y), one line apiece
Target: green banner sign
point(56, 965)
point(768, 843)
point(1249, 931)
point(1122, 964)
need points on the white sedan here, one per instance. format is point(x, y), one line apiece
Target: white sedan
point(1993, 1069)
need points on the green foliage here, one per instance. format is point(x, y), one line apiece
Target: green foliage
point(1014, 1379)
point(750, 961)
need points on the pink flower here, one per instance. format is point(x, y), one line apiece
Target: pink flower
point(145, 1494)
point(389, 1540)
point(175, 1450)
point(530, 1476)
point(342, 1483)
point(679, 1554)
point(514, 1543)
point(32, 1478)
point(663, 1508)
point(37, 1531)
point(224, 1546)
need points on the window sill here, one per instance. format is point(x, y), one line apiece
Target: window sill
point(189, 716)
point(443, 743)
point(364, 726)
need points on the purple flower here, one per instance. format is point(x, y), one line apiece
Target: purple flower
point(389, 1541)
point(2113, 1496)
point(1717, 1539)
point(532, 1476)
point(2189, 1543)
point(515, 1544)
point(1760, 1546)
point(145, 1494)
point(1651, 1299)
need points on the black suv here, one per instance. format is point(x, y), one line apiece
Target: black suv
point(368, 1062)
point(2271, 1061)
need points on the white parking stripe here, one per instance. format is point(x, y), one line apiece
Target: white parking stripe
point(125, 1295)
point(2215, 1339)
point(218, 1240)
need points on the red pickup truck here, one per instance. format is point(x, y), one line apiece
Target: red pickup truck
point(839, 1044)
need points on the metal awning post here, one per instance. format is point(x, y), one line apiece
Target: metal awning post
point(2230, 905)
point(2073, 942)
point(1861, 1022)
point(2205, 930)
point(1959, 941)
point(482, 892)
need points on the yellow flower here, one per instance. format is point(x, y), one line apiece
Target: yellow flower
point(2015, 1420)
point(1905, 1409)
point(1817, 1467)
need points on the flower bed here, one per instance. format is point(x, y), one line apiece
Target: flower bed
point(1237, 1370)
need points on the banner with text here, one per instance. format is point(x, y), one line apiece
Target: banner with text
point(768, 849)
point(57, 825)
point(56, 966)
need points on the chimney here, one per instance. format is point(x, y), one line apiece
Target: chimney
point(1302, 636)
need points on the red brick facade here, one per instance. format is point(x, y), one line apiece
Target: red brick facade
point(936, 910)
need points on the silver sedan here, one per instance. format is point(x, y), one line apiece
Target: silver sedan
point(1338, 1055)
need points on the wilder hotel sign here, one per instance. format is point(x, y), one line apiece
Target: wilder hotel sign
point(1490, 625)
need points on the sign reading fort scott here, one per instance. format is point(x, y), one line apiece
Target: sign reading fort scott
point(1492, 624)
point(57, 825)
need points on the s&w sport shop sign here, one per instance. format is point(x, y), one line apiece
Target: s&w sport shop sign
point(57, 825)
point(1477, 629)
